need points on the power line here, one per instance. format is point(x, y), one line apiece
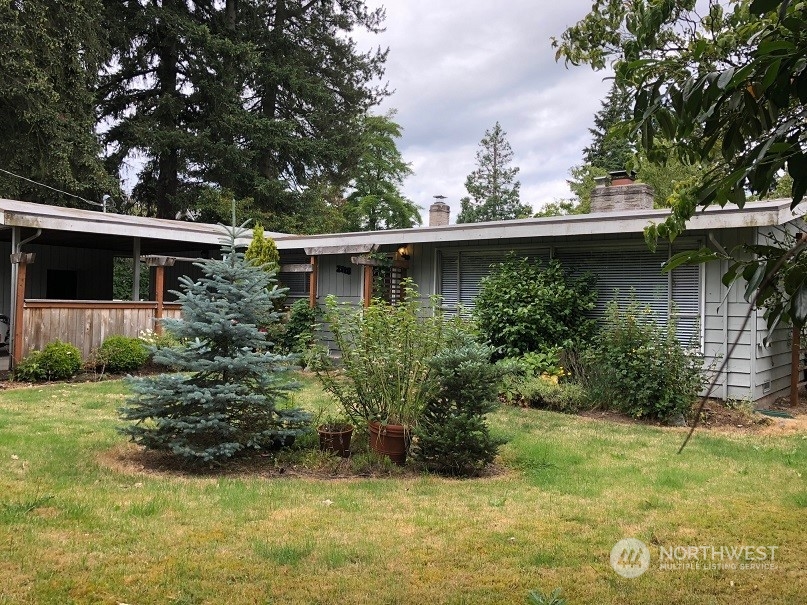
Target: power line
point(54, 189)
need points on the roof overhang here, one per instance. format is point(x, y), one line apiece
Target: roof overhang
point(754, 214)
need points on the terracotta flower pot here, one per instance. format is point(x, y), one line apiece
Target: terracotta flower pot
point(390, 440)
point(335, 439)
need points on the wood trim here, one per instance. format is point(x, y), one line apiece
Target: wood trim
point(343, 249)
point(367, 296)
point(38, 303)
point(374, 262)
point(313, 278)
point(297, 268)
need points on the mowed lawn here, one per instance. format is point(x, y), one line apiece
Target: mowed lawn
point(75, 527)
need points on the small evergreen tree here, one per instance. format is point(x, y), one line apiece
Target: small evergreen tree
point(453, 437)
point(262, 251)
point(227, 393)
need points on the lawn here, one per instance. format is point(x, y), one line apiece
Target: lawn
point(77, 528)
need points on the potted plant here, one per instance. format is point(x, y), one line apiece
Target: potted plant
point(384, 379)
point(335, 435)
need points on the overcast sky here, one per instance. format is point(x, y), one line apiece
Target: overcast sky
point(458, 66)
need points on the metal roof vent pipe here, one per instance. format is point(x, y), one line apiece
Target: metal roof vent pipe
point(619, 192)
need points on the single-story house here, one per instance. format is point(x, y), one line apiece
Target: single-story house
point(75, 250)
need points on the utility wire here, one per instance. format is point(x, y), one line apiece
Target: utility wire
point(54, 189)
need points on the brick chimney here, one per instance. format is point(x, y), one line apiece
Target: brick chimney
point(438, 214)
point(619, 191)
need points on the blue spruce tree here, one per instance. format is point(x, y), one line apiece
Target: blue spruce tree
point(227, 390)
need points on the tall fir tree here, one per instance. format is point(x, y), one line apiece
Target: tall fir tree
point(376, 201)
point(493, 192)
point(611, 147)
point(258, 98)
point(226, 391)
point(50, 56)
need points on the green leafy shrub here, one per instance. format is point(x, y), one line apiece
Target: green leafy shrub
point(122, 354)
point(29, 369)
point(453, 437)
point(385, 350)
point(526, 306)
point(297, 333)
point(641, 368)
point(56, 361)
point(567, 397)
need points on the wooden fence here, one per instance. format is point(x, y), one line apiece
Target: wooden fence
point(86, 323)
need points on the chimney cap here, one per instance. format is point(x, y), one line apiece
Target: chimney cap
point(622, 177)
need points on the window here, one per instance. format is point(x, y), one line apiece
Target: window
point(618, 269)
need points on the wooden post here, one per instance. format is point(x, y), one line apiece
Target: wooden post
point(22, 260)
point(795, 349)
point(158, 295)
point(160, 262)
point(368, 285)
point(312, 283)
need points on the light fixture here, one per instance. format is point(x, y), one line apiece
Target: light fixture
point(403, 252)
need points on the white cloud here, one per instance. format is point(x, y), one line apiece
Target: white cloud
point(459, 66)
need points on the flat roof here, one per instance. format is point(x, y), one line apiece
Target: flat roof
point(754, 214)
point(66, 226)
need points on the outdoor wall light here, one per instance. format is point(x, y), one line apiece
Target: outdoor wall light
point(403, 252)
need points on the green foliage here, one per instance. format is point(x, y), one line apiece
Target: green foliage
point(640, 367)
point(228, 394)
point(524, 306)
point(50, 57)
point(384, 352)
point(453, 437)
point(123, 277)
point(722, 88)
point(297, 334)
point(376, 201)
point(29, 369)
point(493, 192)
point(259, 99)
point(56, 361)
point(122, 354)
point(542, 392)
point(536, 597)
point(611, 146)
point(262, 251)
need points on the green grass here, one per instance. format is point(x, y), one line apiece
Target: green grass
point(78, 527)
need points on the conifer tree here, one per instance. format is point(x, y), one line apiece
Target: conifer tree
point(227, 391)
point(492, 188)
point(611, 147)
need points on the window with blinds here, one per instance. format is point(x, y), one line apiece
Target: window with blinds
point(619, 271)
point(298, 283)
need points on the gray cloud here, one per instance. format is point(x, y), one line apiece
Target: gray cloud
point(459, 66)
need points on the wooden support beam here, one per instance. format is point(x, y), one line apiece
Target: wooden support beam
point(374, 262)
point(21, 260)
point(346, 249)
point(367, 298)
point(158, 295)
point(312, 282)
point(297, 268)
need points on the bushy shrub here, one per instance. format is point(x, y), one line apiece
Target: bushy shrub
point(385, 350)
point(641, 368)
point(567, 397)
point(452, 436)
point(56, 361)
point(526, 306)
point(297, 332)
point(29, 369)
point(122, 354)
